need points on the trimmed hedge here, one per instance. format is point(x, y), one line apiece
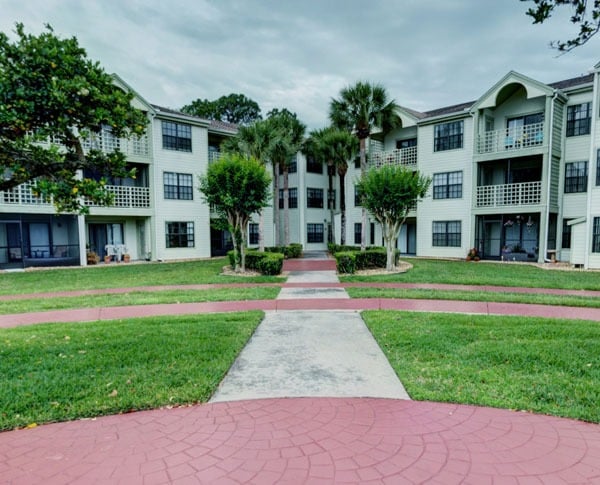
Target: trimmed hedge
point(351, 261)
point(294, 250)
point(265, 263)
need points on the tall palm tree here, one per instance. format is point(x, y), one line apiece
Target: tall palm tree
point(288, 132)
point(360, 109)
point(254, 140)
point(335, 147)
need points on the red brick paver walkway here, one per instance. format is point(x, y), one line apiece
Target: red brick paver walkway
point(316, 440)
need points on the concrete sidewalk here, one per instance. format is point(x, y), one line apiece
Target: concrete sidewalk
point(311, 353)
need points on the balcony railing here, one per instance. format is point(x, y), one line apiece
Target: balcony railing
point(402, 156)
point(22, 194)
point(107, 142)
point(527, 193)
point(515, 138)
point(214, 155)
point(124, 197)
point(128, 197)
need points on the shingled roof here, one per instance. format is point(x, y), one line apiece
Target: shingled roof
point(575, 81)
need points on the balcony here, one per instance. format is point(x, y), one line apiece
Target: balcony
point(23, 194)
point(403, 156)
point(128, 197)
point(214, 155)
point(124, 197)
point(510, 139)
point(105, 141)
point(527, 193)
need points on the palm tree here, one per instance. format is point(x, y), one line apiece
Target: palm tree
point(254, 140)
point(359, 110)
point(335, 147)
point(288, 135)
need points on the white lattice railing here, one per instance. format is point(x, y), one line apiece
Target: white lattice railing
point(526, 193)
point(515, 138)
point(128, 197)
point(22, 194)
point(214, 155)
point(107, 142)
point(402, 156)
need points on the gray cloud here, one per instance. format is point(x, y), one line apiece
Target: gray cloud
point(427, 53)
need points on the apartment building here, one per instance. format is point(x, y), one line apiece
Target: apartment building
point(516, 174)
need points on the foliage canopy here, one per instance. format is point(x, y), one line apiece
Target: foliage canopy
point(233, 108)
point(51, 98)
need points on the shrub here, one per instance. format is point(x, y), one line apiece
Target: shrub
point(337, 248)
point(270, 263)
point(294, 250)
point(265, 263)
point(346, 261)
point(371, 258)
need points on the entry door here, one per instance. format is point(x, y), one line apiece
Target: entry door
point(492, 239)
point(411, 238)
point(11, 250)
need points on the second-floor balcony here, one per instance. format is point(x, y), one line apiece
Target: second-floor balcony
point(510, 139)
point(124, 197)
point(402, 156)
point(107, 142)
point(526, 193)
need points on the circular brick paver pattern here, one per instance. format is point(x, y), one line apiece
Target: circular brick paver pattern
point(307, 440)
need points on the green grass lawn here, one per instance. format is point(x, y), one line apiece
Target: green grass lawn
point(541, 365)
point(138, 298)
point(58, 372)
point(122, 275)
point(486, 273)
point(508, 297)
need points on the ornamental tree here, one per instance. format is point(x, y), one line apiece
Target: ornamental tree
point(51, 98)
point(237, 187)
point(389, 193)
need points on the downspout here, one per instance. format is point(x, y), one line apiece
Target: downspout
point(549, 178)
point(588, 212)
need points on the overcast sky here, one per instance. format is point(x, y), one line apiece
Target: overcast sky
point(298, 54)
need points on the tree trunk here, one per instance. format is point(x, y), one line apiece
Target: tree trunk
point(342, 175)
point(261, 231)
point(286, 206)
point(363, 171)
point(331, 203)
point(276, 202)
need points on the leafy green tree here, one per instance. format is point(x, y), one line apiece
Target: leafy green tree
point(254, 140)
point(237, 186)
point(360, 109)
point(389, 193)
point(287, 135)
point(233, 108)
point(584, 14)
point(51, 97)
point(335, 147)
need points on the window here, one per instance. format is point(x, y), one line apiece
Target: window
point(446, 233)
point(357, 162)
point(576, 177)
point(408, 143)
point(357, 233)
point(292, 198)
point(314, 198)
point(448, 136)
point(447, 185)
point(598, 167)
point(252, 233)
point(180, 234)
point(579, 117)
point(176, 136)
point(596, 236)
point(314, 233)
point(372, 234)
point(357, 200)
point(178, 186)
point(566, 234)
point(313, 166)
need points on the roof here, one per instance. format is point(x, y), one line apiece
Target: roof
point(215, 125)
point(223, 126)
point(455, 108)
point(576, 81)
